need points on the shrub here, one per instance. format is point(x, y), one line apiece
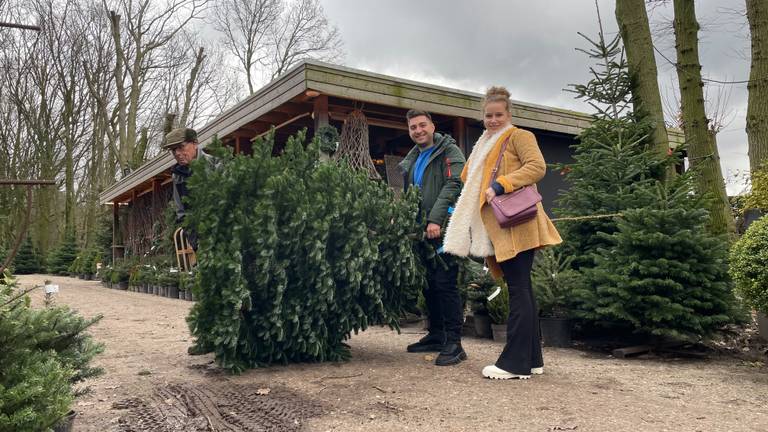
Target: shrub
point(749, 265)
point(758, 195)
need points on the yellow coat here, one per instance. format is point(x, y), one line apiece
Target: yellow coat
point(522, 165)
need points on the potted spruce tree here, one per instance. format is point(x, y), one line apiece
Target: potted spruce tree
point(479, 284)
point(477, 297)
point(498, 311)
point(553, 280)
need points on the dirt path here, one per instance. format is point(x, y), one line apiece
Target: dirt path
point(149, 378)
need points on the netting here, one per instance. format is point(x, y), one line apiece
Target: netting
point(354, 143)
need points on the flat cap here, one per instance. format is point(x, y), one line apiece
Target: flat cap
point(179, 136)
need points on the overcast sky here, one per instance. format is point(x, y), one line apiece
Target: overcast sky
point(530, 46)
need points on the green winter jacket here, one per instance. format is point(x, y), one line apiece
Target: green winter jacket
point(441, 183)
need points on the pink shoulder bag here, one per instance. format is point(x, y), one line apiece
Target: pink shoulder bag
point(515, 207)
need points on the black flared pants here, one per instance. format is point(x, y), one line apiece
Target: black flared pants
point(523, 349)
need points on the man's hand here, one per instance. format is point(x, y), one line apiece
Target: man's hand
point(489, 195)
point(433, 231)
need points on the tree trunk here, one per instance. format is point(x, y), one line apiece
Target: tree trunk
point(646, 98)
point(124, 153)
point(757, 105)
point(190, 87)
point(702, 148)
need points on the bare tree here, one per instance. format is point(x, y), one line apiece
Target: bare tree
point(247, 26)
point(138, 33)
point(303, 32)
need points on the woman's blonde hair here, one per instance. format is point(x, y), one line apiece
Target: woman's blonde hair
point(498, 94)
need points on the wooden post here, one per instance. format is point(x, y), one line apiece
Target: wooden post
point(320, 111)
point(156, 204)
point(117, 251)
point(460, 133)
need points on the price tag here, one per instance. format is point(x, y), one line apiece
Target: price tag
point(494, 294)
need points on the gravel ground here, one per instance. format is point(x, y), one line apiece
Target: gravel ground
point(383, 388)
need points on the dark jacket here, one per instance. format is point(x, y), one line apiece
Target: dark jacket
point(180, 174)
point(441, 183)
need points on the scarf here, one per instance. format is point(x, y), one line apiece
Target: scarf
point(466, 234)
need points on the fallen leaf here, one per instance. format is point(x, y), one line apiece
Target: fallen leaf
point(263, 391)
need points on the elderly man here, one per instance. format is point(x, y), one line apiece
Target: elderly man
point(182, 143)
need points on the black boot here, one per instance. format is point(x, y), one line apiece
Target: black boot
point(451, 354)
point(429, 343)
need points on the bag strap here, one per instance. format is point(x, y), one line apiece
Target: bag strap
point(495, 171)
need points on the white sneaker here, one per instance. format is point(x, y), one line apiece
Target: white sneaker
point(493, 372)
point(537, 371)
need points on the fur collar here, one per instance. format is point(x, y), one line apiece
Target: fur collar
point(466, 234)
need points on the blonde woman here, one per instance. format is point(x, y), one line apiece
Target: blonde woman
point(473, 229)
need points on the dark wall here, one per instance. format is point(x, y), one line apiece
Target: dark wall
point(555, 148)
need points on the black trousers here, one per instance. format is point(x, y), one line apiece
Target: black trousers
point(523, 349)
point(444, 307)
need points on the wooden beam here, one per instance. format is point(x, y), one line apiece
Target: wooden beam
point(460, 133)
point(20, 26)
point(373, 121)
point(17, 182)
point(292, 108)
point(320, 111)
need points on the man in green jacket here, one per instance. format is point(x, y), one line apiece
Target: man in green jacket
point(434, 165)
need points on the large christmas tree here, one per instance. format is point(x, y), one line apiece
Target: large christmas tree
point(27, 260)
point(647, 263)
point(61, 258)
point(662, 273)
point(611, 164)
point(295, 255)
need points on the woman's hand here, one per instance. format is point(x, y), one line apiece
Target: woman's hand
point(489, 195)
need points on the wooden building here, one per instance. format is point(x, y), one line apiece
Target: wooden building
point(313, 94)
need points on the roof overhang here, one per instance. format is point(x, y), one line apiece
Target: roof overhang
point(360, 86)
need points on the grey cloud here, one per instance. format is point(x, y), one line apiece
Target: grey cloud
point(529, 47)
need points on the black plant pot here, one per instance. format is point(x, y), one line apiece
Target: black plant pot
point(556, 332)
point(172, 292)
point(762, 326)
point(483, 326)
